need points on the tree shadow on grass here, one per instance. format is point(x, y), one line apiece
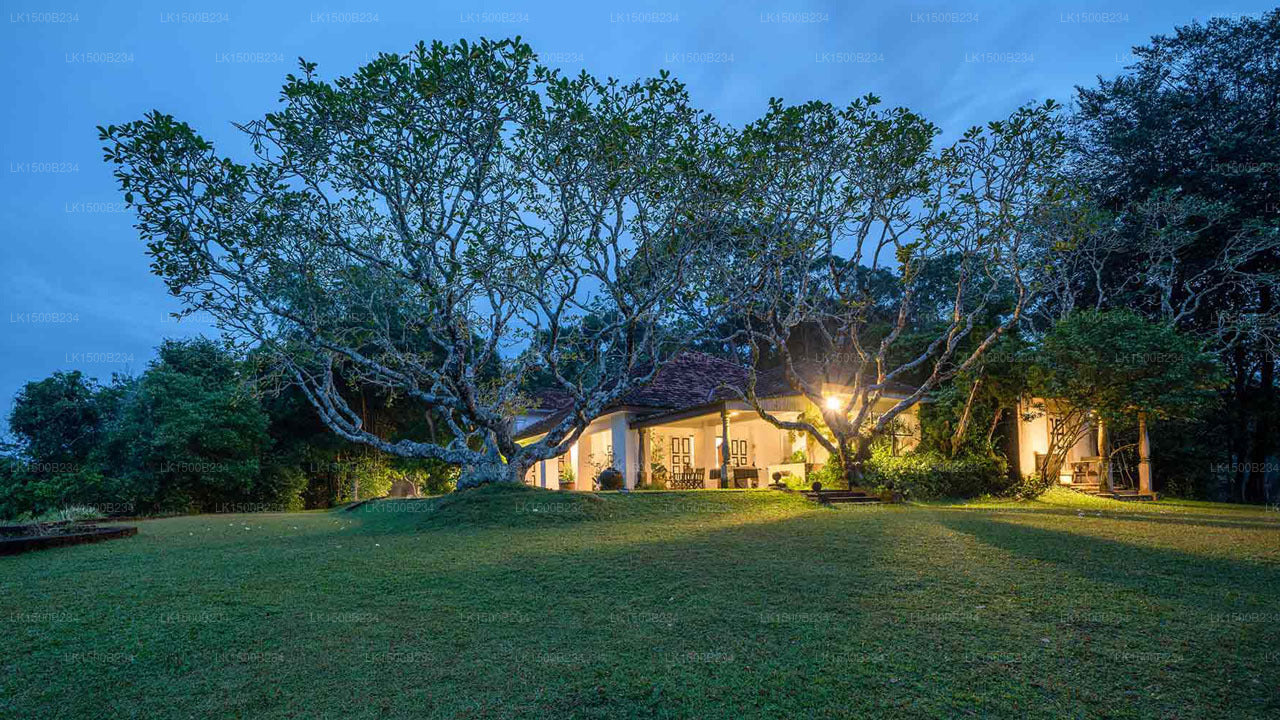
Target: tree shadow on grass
point(1195, 579)
point(725, 610)
point(1175, 518)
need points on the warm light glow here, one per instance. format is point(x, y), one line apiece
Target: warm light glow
point(833, 403)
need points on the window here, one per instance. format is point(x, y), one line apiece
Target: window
point(903, 438)
point(681, 453)
point(901, 434)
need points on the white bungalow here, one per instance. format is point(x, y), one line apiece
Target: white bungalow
point(678, 422)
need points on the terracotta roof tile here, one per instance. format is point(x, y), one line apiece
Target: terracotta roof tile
point(688, 380)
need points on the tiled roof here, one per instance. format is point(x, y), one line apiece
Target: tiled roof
point(688, 380)
point(773, 382)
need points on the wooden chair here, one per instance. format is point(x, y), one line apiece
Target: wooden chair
point(687, 479)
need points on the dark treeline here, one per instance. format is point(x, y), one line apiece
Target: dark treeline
point(1181, 154)
point(193, 433)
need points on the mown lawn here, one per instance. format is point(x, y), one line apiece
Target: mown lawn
point(699, 605)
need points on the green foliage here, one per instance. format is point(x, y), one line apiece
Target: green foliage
point(283, 486)
point(59, 424)
point(1117, 363)
point(1031, 486)
point(69, 514)
point(434, 477)
point(57, 421)
point(189, 435)
point(1001, 381)
point(830, 474)
point(528, 155)
point(927, 475)
point(1181, 146)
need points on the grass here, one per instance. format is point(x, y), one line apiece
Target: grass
point(528, 603)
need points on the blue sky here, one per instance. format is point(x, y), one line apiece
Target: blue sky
point(75, 290)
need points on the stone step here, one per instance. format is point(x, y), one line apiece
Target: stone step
point(1121, 494)
point(858, 499)
point(832, 494)
point(1131, 495)
point(837, 497)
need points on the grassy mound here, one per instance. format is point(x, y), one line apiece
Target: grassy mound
point(521, 506)
point(487, 506)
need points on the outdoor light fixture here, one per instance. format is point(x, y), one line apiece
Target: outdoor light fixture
point(833, 403)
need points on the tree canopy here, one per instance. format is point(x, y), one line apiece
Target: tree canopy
point(415, 223)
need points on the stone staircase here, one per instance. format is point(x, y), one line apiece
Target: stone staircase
point(841, 497)
point(1097, 489)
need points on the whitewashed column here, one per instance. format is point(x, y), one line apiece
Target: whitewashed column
point(725, 479)
point(1144, 455)
point(625, 451)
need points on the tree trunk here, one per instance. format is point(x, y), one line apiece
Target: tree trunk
point(495, 472)
point(1255, 490)
point(1104, 457)
point(355, 482)
point(853, 457)
point(963, 426)
point(991, 430)
point(1012, 445)
point(1239, 415)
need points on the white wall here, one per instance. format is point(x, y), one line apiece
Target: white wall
point(1033, 437)
point(608, 432)
point(766, 445)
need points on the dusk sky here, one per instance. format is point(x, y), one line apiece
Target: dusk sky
point(76, 292)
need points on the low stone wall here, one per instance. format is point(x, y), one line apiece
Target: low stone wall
point(12, 543)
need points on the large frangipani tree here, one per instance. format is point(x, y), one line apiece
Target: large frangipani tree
point(443, 224)
point(835, 201)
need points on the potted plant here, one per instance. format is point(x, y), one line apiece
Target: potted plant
point(567, 479)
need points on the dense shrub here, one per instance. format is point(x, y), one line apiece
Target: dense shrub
point(930, 474)
point(831, 475)
point(70, 514)
point(188, 434)
point(283, 486)
point(436, 478)
point(1030, 486)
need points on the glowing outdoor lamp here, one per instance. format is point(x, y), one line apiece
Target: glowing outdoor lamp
point(833, 403)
